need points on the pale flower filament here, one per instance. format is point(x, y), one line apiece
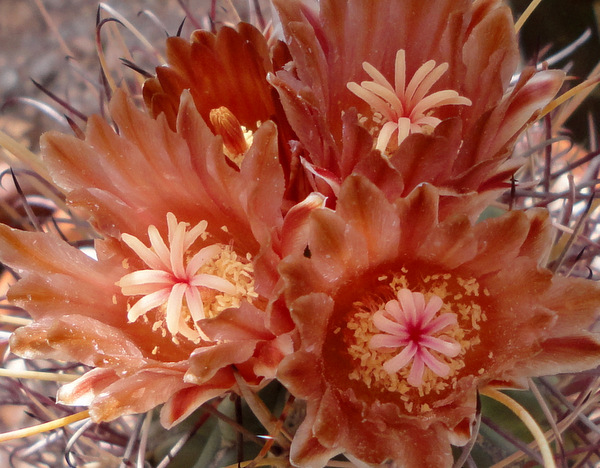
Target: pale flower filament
point(170, 279)
point(411, 323)
point(405, 108)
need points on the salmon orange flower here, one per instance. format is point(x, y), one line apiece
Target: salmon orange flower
point(439, 106)
point(303, 211)
point(178, 299)
point(226, 76)
point(403, 313)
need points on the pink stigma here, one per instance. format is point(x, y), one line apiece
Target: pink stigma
point(411, 324)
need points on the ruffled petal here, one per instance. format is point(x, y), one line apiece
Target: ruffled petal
point(206, 361)
point(137, 393)
point(185, 401)
point(82, 391)
point(77, 338)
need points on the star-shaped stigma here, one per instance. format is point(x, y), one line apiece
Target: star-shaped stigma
point(171, 278)
point(405, 108)
point(410, 323)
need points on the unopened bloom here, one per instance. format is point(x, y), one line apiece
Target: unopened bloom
point(403, 313)
point(210, 66)
point(185, 272)
point(226, 76)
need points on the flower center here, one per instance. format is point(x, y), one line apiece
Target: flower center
point(410, 335)
point(184, 284)
point(408, 324)
point(236, 138)
point(402, 109)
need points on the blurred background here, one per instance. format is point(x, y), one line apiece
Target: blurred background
point(553, 27)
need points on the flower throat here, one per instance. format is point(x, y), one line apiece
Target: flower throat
point(409, 335)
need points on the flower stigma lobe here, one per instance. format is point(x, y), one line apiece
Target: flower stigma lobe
point(409, 323)
point(184, 284)
point(402, 108)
